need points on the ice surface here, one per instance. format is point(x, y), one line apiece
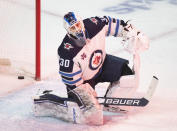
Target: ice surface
point(156, 18)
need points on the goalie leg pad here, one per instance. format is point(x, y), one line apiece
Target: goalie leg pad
point(89, 112)
point(122, 88)
point(127, 84)
point(67, 111)
point(92, 110)
point(127, 81)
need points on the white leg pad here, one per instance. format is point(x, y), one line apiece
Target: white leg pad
point(69, 112)
point(125, 87)
point(90, 113)
point(93, 111)
point(127, 81)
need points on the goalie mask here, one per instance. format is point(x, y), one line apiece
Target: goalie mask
point(75, 27)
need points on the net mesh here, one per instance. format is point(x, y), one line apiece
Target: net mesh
point(18, 32)
point(17, 35)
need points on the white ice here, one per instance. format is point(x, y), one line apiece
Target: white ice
point(158, 22)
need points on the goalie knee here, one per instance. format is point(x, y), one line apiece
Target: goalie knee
point(127, 81)
point(124, 86)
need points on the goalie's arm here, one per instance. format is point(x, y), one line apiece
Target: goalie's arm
point(136, 39)
point(114, 26)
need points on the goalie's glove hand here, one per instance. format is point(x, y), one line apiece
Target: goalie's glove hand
point(128, 33)
point(133, 40)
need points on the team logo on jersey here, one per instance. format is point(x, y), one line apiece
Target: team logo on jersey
point(96, 59)
point(83, 56)
point(68, 46)
point(104, 19)
point(94, 20)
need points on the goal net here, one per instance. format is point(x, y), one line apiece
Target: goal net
point(20, 38)
point(17, 39)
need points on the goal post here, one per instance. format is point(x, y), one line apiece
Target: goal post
point(38, 40)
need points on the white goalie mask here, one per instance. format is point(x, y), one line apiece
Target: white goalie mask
point(74, 26)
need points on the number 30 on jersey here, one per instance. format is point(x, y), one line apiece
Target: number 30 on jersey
point(64, 62)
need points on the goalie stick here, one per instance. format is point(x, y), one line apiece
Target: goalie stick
point(139, 102)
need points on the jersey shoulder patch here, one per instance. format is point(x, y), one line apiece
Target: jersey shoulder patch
point(93, 25)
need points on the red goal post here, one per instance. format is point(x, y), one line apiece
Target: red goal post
point(38, 40)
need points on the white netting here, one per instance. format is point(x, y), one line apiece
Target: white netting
point(17, 33)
